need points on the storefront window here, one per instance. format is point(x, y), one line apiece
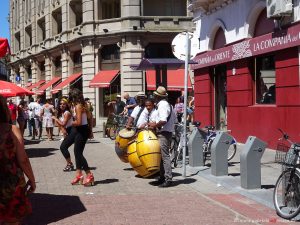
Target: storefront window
point(265, 80)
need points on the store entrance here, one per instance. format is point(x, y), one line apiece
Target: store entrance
point(220, 81)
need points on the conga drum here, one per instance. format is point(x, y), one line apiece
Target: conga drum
point(135, 162)
point(148, 150)
point(124, 137)
point(121, 154)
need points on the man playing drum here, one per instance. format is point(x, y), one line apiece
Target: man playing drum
point(139, 114)
point(165, 126)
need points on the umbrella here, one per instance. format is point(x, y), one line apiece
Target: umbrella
point(4, 47)
point(8, 89)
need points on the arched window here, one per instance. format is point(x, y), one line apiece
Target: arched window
point(219, 40)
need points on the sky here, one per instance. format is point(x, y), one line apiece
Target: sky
point(4, 27)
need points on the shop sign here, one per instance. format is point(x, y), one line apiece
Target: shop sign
point(250, 47)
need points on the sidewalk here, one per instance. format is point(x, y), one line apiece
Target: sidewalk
point(122, 197)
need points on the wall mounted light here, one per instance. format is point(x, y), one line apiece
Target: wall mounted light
point(105, 30)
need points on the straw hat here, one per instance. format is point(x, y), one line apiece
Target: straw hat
point(161, 91)
point(140, 94)
point(118, 96)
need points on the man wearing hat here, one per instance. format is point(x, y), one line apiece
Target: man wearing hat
point(139, 114)
point(165, 125)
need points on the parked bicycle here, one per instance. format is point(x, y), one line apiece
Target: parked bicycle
point(118, 123)
point(209, 135)
point(286, 195)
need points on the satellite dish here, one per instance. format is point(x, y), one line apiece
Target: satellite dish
point(179, 45)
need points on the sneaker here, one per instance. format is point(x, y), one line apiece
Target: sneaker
point(62, 139)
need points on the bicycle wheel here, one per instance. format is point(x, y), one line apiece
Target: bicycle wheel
point(112, 133)
point(231, 151)
point(286, 195)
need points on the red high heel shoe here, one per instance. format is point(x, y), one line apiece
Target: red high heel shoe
point(89, 180)
point(77, 180)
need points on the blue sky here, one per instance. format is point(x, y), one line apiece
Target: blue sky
point(4, 27)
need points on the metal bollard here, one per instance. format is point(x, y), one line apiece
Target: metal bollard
point(219, 154)
point(250, 159)
point(195, 144)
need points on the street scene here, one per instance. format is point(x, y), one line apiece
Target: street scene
point(149, 112)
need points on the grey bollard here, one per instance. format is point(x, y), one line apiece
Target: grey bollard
point(195, 144)
point(219, 154)
point(104, 130)
point(250, 159)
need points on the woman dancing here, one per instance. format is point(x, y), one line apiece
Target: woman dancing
point(81, 131)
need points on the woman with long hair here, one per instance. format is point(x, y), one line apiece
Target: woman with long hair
point(47, 112)
point(81, 131)
point(64, 121)
point(14, 163)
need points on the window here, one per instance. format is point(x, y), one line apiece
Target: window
point(56, 21)
point(108, 9)
point(110, 53)
point(265, 89)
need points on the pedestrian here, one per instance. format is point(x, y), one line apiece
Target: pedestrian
point(89, 104)
point(178, 108)
point(64, 121)
point(139, 115)
point(13, 111)
point(118, 105)
point(35, 118)
point(21, 118)
point(14, 163)
point(81, 131)
point(130, 104)
point(47, 112)
point(165, 127)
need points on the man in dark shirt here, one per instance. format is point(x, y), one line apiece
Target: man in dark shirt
point(130, 103)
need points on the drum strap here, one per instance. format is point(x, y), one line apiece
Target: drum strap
point(138, 116)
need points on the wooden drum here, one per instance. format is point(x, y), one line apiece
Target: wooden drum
point(124, 137)
point(135, 162)
point(148, 150)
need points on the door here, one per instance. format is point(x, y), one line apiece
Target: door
point(221, 97)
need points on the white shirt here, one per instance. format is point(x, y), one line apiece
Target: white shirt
point(32, 107)
point(143, 117)
point(163, 111)
point(69, 122)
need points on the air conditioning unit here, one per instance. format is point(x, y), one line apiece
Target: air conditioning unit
point(279, 8)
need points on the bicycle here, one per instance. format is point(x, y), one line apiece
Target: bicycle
point(286, 195)
point(118, 123)
point(177, 144)
point(209, 136)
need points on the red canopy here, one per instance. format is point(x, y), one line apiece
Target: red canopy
point(8, 89)
point(36, 85)
point(43, 88)
point(4, 47)
point(104, 78)
point(175, 80)
point(66, 82)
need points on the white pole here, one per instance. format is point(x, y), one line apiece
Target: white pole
point(187, 56)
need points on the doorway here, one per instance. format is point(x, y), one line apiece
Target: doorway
point(220, 77)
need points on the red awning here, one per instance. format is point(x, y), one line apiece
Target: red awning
point(36, 85)
point(104, 78)
point(4, 47)
point(43, 88)
point(28, 85)
point(175, 80)
point(66, 82)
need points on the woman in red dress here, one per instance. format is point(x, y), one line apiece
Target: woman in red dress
point(14, 163)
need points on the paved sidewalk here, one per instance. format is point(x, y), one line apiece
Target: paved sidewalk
point(121, 197)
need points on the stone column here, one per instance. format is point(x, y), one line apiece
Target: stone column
point(34, 71)
point(64, 20)
point(131, 52)
point(22, 71)
point(130, 8)
point(48, 72)
point(13, 75)
point(88, 15)
point(65, 68)
point(88, 69)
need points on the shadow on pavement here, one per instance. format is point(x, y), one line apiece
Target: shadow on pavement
point(48, 208)
point(185, 181)
point(267, 186)
point(106, 181)
point(31, 142)
point(234, 174)
point(39, 152)
point(128, 169)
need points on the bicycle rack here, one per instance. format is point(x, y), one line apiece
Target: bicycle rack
point(195, 143)
point(219, 154)
point(250, 159)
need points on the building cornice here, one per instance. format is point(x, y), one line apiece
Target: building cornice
point(207, 6)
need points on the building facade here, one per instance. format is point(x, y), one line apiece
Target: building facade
point(70, 41)
point(3, 70)
point(247, 76)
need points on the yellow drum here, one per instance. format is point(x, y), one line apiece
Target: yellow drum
point(135, 162)
point(148, 150)
point(121, 154)
point(123, 138)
